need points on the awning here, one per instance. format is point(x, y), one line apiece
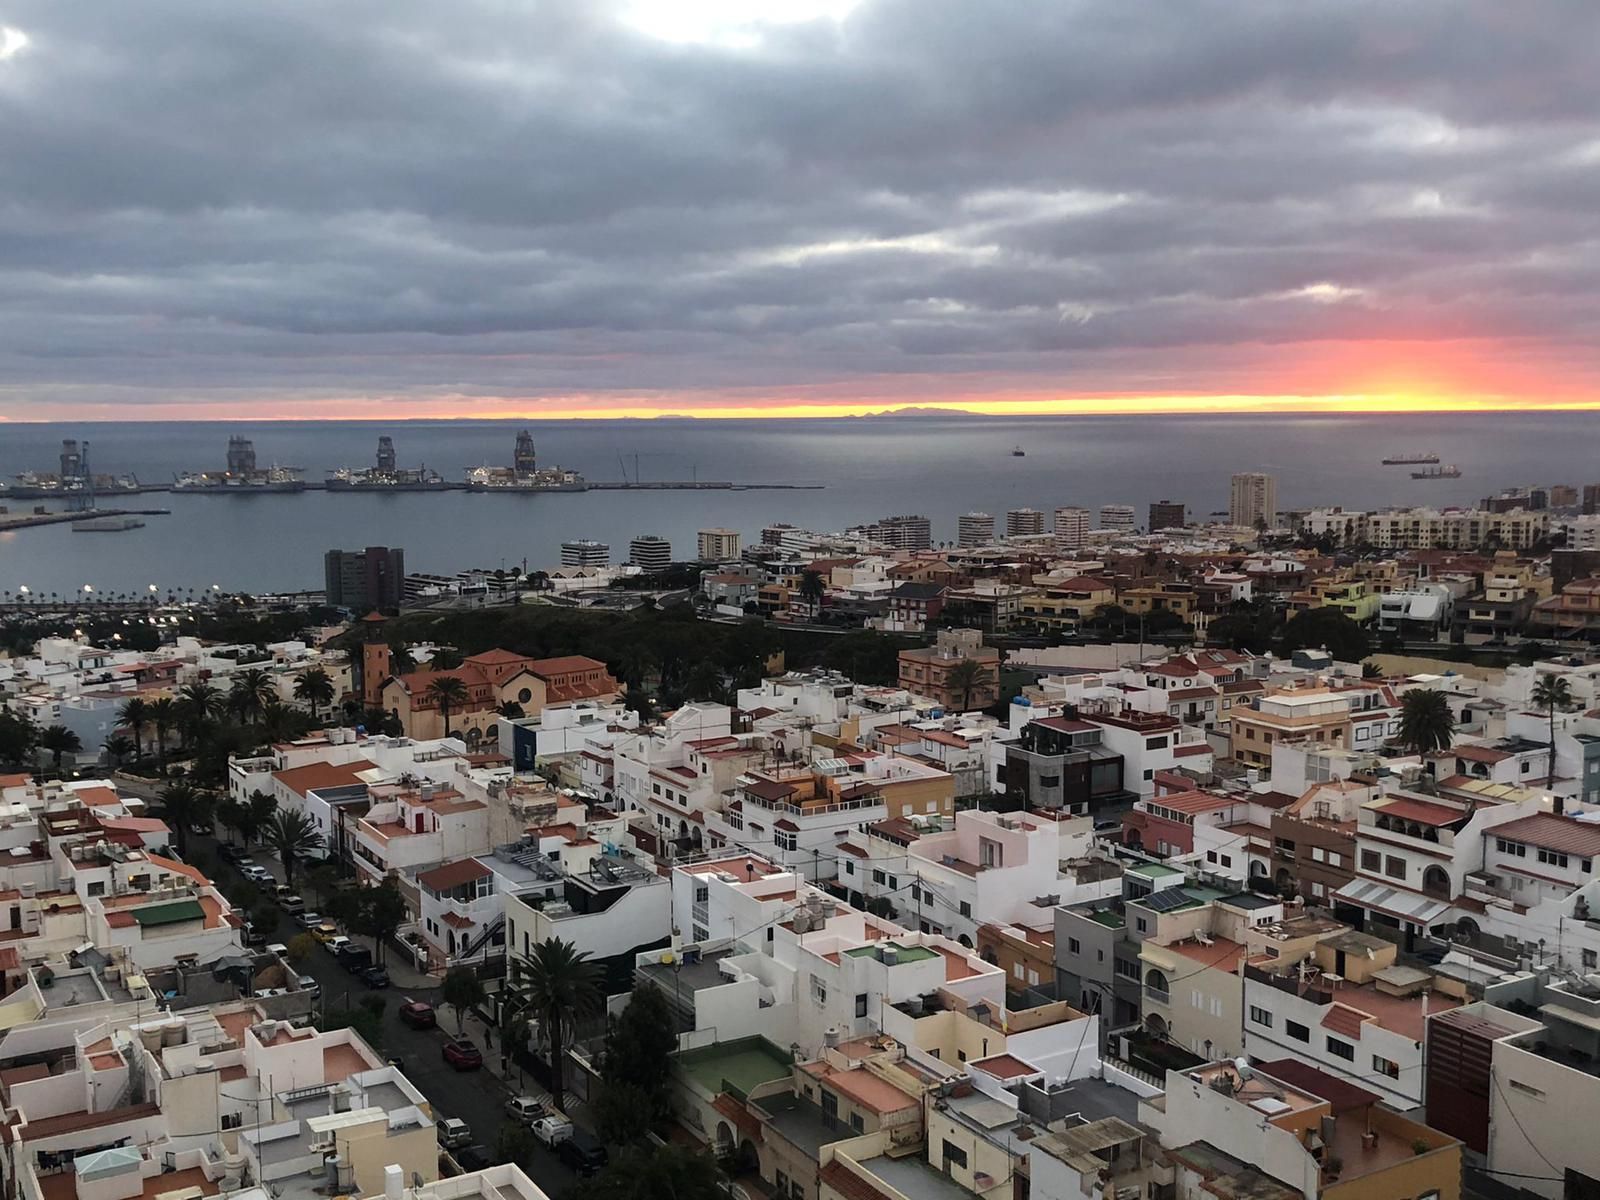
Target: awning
point(1404, 906)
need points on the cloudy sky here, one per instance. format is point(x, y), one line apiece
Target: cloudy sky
point(580, 207)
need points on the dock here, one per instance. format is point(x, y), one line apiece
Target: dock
point(29, 520)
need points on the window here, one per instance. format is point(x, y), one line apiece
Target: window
point(966, 909)
point(1075, 947)
point(1318, 854)
point(1385, 1066)
point(1211, 856)
point(849, 867)
point(1371, 860)
point(784, 841)
point(1261, 1016)
point(1335, 859)
point(1591, 960)
point(916, 894)
point(1049, 781)
point(1516, 849)
point(1227, 860)
point(97, 888)
point(1394, 867)
point(1527, 1089)
point(1551, 859)
point(1297, 1031)
point(1155, 743)
point(1340, 1048)
point(1284, 847)
point(1141, 925)
point(702, 893)
point(1126, 969)
point(819, 991)
point(1150, 774)
point(857, 1125)
point(954, 1156)
point(1016, 969)
point(861, 1004)
point(232, 1120)
point(701, 934)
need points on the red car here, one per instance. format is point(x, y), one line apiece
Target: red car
point(463, 1056)
point(418, 1015)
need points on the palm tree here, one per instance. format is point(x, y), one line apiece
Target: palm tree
point(118, 747)
point(182, 806)
point(135, 715)
point(557, 983)
point(197, 704)
point(59, 740)
point(812, 589)
point(1550, 693)
point(164, 715)
point(401, 660)
point(252, 690)
point(966, 677)
point(315, 688)
point(294, 837)
point(1426, 722)
point(448, 692)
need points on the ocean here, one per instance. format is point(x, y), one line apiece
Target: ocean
point(871, 467)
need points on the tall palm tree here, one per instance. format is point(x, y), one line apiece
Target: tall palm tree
point(812, 589)
point(164, 715)
point(198, 703)
point(118, 747)
point(134, 716)
point(59, 740)
point(294, 837)
point(1550, 693)
point(557, 983)
point(966, 677)
point(252, 689)
point(314, 686)
point(449, 693)
point(183, 806)
point(1426, 722)
point(401, 660)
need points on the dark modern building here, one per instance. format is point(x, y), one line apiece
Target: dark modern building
point(363, 580)
point(1059, 763)
point(1167, 514)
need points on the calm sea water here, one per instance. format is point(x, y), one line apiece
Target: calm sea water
point(870, 468)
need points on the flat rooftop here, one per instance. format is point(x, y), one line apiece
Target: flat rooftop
point(912, 1176)
point(746, 1064)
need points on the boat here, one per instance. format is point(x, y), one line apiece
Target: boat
point(524, 474)
point(1018, 452)
point(107, 524)
point(1450, 472)
point(1410, 460)
point(242, 477)
point(387, 476)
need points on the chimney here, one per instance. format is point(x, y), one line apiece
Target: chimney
point(394, 1182)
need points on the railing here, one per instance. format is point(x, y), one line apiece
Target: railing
point(806, 810)
point(1158, 995)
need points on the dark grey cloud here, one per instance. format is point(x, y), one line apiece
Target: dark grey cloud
point(214, 203)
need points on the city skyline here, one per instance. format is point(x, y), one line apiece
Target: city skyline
point(806, 208)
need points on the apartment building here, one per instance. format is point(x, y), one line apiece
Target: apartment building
point(1167, 514)
point(1303, 714)
point(1313, 839)
point(1253, 501)
point(1430, 528)
point(1071, 528)
point(1573, 610)
point(650, 552)
point(974, 529)
point(1024, 522)
point(1097, 947)
point(613, 907)
point(410, 825)
point(717, 545)
point(1284, 1129)
point(1062, 764)
point(931, 671)
point(1117, 517)
point(1062, 605)
point(907, 532)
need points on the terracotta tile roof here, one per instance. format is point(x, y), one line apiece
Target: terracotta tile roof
point(1194, 802)
point(566, 665)
point(313, 776)
point(1341, 1018)
point(849, 1185)
point(453, 875)
point(1481, 754)
point(1565, 835)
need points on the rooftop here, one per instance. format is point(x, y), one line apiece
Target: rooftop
point(912, 1176)
point(746, 1064)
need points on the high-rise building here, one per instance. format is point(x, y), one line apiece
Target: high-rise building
point(1071, 528)
point(364, 580)
point(1591, 499)
point(1117, 516)
point(1563, 495)
point(1253, 500)
point(975, 529)
point(585, 552)
point(650, 552)
point(718, 545)
point(1024, 522)
point(1167, 514)
point(908, 532)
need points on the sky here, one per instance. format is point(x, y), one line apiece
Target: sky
point(565, 208)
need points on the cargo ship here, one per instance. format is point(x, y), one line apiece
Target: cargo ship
point(386, 476)
point(1450, 472)
point(242, 477)
point(1410, 460)
point(524, 474)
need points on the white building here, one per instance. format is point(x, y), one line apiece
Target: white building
point(1118, 517)
point(1071, 527)
point(974, 529)
point(1253, 500)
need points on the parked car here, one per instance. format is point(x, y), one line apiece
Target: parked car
point(309, 985)
point(463, 1056)
point(453, 1133)
point(375, 977)
point(524, 1110)
point(277, 948)
point(583, 1152)
point(328, 933)
point(283, 891)
point(229, 853)
point(244, 863)
point(256, 875)
point(292, 905)
point(251, 936)
point(354, 958)
point(474, 1158)
point(309, 920)
point(552, 1130)
point(418, 1015)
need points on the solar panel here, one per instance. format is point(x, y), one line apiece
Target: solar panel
point(1167, 900)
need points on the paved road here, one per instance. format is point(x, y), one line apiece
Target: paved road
point(475, 1097)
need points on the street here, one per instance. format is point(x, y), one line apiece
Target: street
point(475, 1097)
